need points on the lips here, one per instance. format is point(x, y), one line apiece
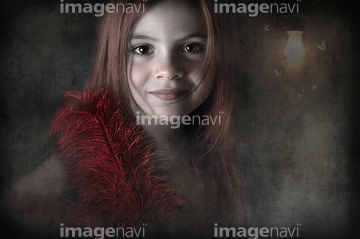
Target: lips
point(166, 94)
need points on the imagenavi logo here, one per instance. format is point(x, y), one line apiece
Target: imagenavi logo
point(253, 9)
point(99, 9)
point(256, 232)
point(102, 232)
point(175, 121)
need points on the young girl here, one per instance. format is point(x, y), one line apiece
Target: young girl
point(170, 61)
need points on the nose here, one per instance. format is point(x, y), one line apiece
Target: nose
point(168, 68)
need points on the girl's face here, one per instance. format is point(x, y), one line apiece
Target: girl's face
point(166, 51)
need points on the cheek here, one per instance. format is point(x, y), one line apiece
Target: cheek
point(203, 85)
point(204, 90)
point(138, 75)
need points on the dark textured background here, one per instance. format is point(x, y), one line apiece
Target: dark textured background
point(298, 145)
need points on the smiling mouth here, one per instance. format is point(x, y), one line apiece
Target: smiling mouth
point(169, 94)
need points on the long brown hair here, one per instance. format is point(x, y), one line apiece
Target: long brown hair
point(216, 142)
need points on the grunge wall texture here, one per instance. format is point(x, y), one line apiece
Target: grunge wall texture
point(299, 135)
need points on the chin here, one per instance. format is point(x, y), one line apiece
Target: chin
point(169, 113)
point(170, 110)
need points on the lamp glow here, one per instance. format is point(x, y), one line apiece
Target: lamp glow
point(295, 50)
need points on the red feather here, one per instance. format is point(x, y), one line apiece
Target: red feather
point(114, 170)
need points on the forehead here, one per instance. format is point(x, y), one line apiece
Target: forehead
point(174, 18)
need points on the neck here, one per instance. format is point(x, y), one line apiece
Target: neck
point(168, 139)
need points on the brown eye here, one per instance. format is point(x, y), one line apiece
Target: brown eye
point(193, 48)
point(142, 50)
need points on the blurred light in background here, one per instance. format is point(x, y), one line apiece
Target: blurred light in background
point(295, 51)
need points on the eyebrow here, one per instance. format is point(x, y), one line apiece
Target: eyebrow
point(145, 37)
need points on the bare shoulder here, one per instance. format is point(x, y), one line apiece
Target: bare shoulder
point(48, 179)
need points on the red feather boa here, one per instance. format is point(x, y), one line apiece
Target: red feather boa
point(117, 176)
